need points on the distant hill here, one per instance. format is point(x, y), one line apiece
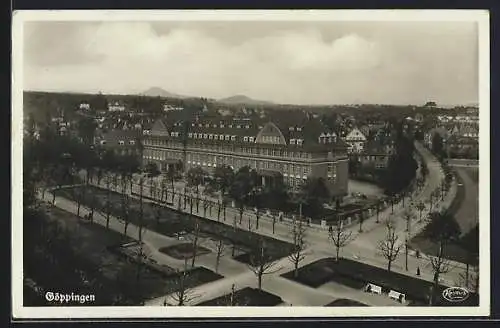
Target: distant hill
point(159, 92)
point(241, 99)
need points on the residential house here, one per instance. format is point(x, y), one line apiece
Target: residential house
point(355, 140)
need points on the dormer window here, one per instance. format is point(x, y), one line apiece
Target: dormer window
point(205, 136)
point(292, 141)
point(121, 142)
point(190, 135)
point(210, 136)
point(226, 137)
point(299, 142)
point(216, 137)
point(195, 135)
point(251, 139)
point(247, 126)
point(245, 139)
point(132, 142)
point(299, 129)
point(221, 137)
point(233, 138)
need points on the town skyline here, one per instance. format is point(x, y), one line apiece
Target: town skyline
point(301, 63)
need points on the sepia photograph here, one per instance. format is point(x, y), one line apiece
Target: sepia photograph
point(211, 163)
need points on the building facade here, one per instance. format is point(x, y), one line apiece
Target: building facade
point(293, 152)
point(356, 140)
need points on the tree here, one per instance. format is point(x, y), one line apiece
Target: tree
point(389, 247)
point(196, 232)
point(340, 237)
point(408, 216)
point(219, 250)
point(441, 229)
point(298, 233)
point(195, 177)
point(420, 207)
point(183, 294)
point(438, 145)
point(223, 178)
point(125, 213)
point(108, 200)
point(261, 263)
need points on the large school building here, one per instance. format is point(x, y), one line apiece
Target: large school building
point(275, 149)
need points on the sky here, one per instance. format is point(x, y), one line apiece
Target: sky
point(296, 62)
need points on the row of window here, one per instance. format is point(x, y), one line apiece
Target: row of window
point(254, 151)
point(120, 142)
point(214, 161)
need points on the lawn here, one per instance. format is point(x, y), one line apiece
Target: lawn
point(119, 267)
point(356, 275)
point(183, 251)
point(245, 297)
point(170, 222)
point(346, 302)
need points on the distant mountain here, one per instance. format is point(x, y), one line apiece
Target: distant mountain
point(159, 92)
point(241, 99)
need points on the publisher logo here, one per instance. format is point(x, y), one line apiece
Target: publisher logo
point(455, 294)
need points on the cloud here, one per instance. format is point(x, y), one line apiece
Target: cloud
point(293, 65)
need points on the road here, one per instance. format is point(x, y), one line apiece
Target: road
point(467, 214)
point(363, 248)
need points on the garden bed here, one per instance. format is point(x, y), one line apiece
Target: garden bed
point(245, 297)
point(356, 274)
point(346, 302)
point(183, 251)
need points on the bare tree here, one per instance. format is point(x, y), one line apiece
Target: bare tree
point(420, 208)
point(196, 232)
point(440, 266)
point(261, 263)
point(107, 181)
point(389, 247)
point(125, 213)
point(298, 232)
point(408, 215)
point(470, 278)
point(183, 294)
point(219, 250)
point(340, 237)
point(141, 206)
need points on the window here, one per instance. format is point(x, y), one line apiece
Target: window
point(247, 126)
point(245, 139)
point(221, 125)
point(210, 136)
point(207, 125)
point(299, 142)
point(299, 129)
point(238, 126)
point(216, 137)
point(227, 137)
point(233, 138)
point(251, 139)
point(121, 142)
point(205, 136)
point(132, 142)
point(103, 142)
point(190, 135)
point(230, 126)
point(291, 128)
point(195, 135)
point(292, 141)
